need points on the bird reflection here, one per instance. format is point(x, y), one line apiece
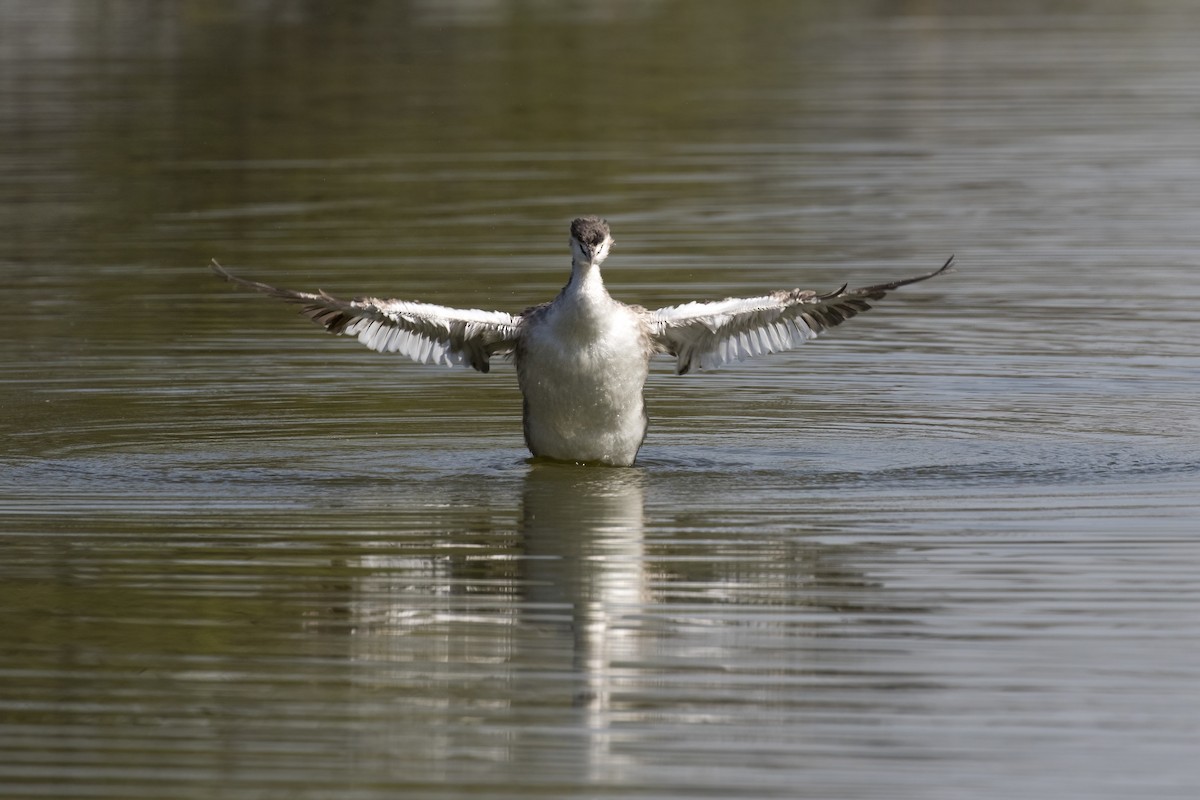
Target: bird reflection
point(582, 532)
point(505, 620)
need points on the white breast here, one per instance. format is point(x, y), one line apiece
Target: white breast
point(582, 367)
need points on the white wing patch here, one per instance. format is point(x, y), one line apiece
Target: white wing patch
point(707, 335)
point(426, 333)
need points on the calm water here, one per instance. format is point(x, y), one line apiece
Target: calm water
point(949, 551)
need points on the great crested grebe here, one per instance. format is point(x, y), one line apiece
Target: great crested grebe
point(582, 358)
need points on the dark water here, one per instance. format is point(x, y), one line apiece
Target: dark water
point(949, 551)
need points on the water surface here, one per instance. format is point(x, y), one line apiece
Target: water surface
point(948, 551)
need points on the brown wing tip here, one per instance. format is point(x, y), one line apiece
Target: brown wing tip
point(876, 292)
point(943, 268)
point(264, 288)
point(228, 276)
point(835, 293)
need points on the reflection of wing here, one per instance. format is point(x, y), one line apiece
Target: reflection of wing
point(426, 333)
point(704, 335)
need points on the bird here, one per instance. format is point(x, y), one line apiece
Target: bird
point(583, 358)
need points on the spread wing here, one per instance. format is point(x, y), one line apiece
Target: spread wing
point(426, 333)
point(705, 335)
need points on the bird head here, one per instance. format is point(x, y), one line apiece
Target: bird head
point(590, 240)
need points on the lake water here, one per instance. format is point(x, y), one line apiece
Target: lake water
point(950, 550)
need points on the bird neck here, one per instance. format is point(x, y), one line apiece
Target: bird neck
point(585, 284)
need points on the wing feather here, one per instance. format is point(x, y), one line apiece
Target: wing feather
point(426, 333)
point(706, 335)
